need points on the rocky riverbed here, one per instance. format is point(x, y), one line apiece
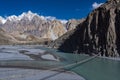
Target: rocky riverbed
point(34, 74)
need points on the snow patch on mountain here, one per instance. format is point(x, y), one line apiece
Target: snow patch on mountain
point(63, 21)
point(50, 18)
point(3, 20)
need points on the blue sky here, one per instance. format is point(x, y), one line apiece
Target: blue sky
point(61, 9)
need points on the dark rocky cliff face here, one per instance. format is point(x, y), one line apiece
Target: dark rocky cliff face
point(99, 33)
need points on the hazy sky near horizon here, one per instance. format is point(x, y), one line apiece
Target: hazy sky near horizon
point(61, 9)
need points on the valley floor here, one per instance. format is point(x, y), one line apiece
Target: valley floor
point(15, 62)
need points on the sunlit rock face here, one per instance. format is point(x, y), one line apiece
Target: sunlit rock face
point(99, 33)
point(55, 30)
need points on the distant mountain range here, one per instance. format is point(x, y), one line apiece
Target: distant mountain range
point(30, 25)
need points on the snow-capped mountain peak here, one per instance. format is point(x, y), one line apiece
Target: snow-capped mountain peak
point(29, 15)
point(12, 18)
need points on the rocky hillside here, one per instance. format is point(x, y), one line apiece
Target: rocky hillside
point(5, 38)
point(98, 34)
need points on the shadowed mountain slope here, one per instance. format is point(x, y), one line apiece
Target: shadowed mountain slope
point(99, 33)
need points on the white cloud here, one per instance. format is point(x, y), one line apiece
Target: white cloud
point(96, 5)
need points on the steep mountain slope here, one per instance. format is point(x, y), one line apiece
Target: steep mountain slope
point(99, 33)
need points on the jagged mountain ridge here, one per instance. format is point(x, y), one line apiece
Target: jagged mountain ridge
point(99, 33)
point(29, 16)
